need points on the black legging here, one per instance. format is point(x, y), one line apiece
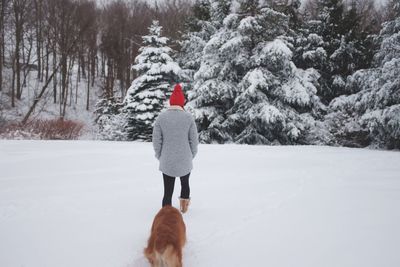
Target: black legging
point(169, 183)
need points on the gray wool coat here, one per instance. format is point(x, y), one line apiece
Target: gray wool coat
point(175, 141)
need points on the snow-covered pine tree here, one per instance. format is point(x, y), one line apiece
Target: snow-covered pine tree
point(213, 84)
point(219, 9)
point(372, 114)
point(276, 102)
point(206, 20)
point(309, 45)
point(309, 50)
point(291, 8)
point(110, 120)
point(392, 9)
point(336, 44)
point(199, 28)
point(324, 33)
point(146, 97)
point(247, 89)
point(354, 52)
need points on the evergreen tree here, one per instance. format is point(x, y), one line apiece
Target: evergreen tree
point(354, 52)
point(336, 44)
point(329, 26)
point(392, 9)
point(147, 95)
point(110, 120)
point(247, 89)
point(199, 29)
point(311, 44)
point(291, 8)
point(212, 93)
point(206, 20)
point(200, 13)
point(219, 9)
point(372, 114)
point(274, 93)
point(213, 87)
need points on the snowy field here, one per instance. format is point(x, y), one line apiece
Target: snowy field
point(91, 204)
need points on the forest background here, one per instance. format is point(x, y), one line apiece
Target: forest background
point(272, 72)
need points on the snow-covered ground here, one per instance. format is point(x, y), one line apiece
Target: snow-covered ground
point(90, 203)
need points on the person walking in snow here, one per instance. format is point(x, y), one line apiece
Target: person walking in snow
point(175, 142)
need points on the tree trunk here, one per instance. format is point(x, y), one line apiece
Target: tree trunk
point(17, 65)
point(88, 83)
point(94, 66)
point(18, 10)
point(13, 83)
point(82, 65)
point(47, 61)
point(2, 16)
point(110, 79)
point(38, 28)
point(55, 75)
point(26, 62)
point(103, 65)
point(64, 70)
point(1, 66)
point(1, 42)
point(68, 87)
point(76, 91)
point(39, 96)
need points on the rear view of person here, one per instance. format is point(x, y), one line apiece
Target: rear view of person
point(175, 142)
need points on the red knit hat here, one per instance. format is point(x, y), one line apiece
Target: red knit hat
point(177, 98)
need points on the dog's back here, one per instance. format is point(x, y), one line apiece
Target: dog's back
point(168, 236)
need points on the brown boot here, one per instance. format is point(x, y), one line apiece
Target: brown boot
point(184, 204)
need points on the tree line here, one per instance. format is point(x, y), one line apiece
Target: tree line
point(68, 42)
point(276, 72)
point(260, 72)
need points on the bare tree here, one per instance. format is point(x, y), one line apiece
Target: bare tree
point(2, 41)
point(38, 9)
point(20, 11)
point(67, 37)
point(114, 43)
point(86, 16)
point(64, 32)
point(172, 15)
point(67, 47)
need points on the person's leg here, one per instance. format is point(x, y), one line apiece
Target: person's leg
point(169, 183)
point(185, 193)
point(185, 189)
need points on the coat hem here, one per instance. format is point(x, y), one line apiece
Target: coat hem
point(174, 175)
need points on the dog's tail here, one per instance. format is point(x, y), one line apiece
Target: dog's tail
point(169, 257)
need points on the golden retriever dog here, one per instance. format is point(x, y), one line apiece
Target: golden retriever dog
point(168, 236)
